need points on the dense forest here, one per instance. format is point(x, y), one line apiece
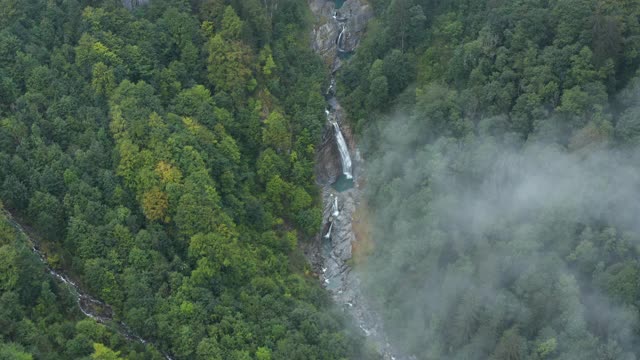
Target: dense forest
point(503, 168)
point(164, 157)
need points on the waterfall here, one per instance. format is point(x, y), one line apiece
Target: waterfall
point(335, 212)
point(339, 41)
point(333, 246)
point(328, 235)
point(332, 88)
point(344, 151)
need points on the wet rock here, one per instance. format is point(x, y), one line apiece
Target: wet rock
point(341, 280)
point(328, 166)
point(353, 16)
point(358, 14)
point(331, 255)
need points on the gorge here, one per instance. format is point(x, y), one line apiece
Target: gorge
point(319, 180)
point(341, 178)
point(336, 38)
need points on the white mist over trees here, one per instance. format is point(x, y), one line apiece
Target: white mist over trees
point(483, 245)
point(504, 183)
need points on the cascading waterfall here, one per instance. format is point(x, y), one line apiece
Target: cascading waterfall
point(328, 234)
point(340, 38)
point(334, 214)
point(331, 90)
point(344, 151)
point(337, 235)
point(88, 305)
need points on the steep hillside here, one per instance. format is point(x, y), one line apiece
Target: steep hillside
point(164, 155)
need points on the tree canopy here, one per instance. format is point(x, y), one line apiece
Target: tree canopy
point(502, 142)
point(164, 155)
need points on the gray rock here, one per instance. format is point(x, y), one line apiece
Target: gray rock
point(328, 166)
point(353, 15)
point(331, 255)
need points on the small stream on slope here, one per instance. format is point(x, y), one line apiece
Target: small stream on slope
point(89, 306)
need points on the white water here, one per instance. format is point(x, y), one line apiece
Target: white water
point(328, 234)
point(332, 89)
point(339, 44)
point(336, 212)
point(344, 151)
point(337, 277)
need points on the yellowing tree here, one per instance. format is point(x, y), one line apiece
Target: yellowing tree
point(154, 204)
point(168, 173)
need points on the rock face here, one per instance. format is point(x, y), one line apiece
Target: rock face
point(328, 166)
point(330, 22)
point(331, 257)
point(331, 251)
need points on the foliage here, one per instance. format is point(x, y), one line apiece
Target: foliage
point(159, 153)
point(499, 173)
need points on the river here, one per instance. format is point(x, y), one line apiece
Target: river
point(340, 174)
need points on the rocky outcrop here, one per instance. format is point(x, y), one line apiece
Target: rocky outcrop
point(330, 22)
point(332, 259)
point(328, 166)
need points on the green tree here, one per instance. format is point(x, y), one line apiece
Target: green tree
point(13, 352)
point(277, 133)
point(101, 352)
point(227, 66)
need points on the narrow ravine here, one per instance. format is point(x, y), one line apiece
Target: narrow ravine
point(335, 37)
point(88, 305)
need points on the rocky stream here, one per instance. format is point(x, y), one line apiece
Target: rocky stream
point(338, 29)
point(336, 34)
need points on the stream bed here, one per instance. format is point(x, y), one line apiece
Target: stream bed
point(338, 31)
point(88, 305)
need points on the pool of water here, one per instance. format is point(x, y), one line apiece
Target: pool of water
point(339, 3)
point(345, 55)
point(342, 184)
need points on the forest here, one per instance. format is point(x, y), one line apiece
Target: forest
point(163, 155)
point(501, 140)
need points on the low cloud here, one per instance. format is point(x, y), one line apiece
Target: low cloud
point(489, 246)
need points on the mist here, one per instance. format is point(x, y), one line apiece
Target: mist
point(492, 247)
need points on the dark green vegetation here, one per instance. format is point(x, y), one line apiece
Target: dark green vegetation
point(39, 317)
point(165, 157)
point(505, 184)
